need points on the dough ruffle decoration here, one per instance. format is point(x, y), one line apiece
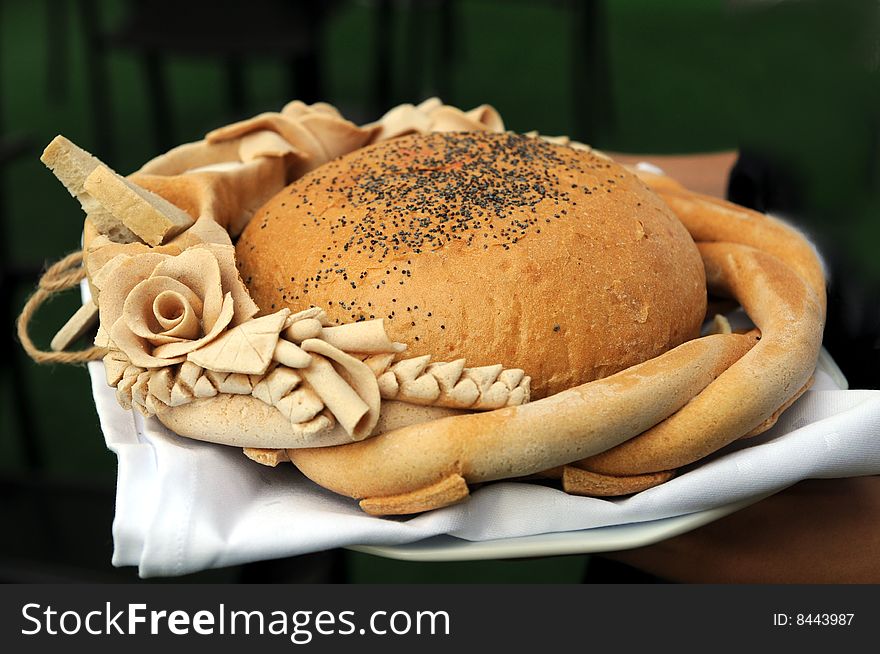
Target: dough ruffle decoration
point(235, 169)
point(434, 116)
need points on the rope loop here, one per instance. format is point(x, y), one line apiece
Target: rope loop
point(60, 276)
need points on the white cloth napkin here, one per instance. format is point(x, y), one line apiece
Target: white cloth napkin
point(184, 506)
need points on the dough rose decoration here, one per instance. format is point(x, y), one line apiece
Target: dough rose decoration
point(341, 297)
point(159, 308)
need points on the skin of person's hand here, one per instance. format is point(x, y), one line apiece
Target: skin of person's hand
point(824, 531)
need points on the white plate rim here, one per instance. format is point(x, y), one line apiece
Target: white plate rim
point(445, 548)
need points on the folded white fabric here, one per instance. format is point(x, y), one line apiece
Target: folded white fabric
point(184, 505)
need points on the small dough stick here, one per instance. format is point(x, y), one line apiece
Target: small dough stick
point(78, 324)
point(447, 491)
point(266, 456)
point(303, 329)
point(577, 481)
point(790, 318)
point(290, 355)
point(359, 377)
point(526, 439)
point(345, 405)
point(367, 337)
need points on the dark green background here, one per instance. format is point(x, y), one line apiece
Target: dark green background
point(797, 81)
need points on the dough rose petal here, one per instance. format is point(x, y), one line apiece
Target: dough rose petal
point(198, 269)
point(222, 322)
point(127, 272)
point(342, 401)
point(367, 337)
point(245, 307)
point(163, 307)
point(246, 349)
point(137, 349)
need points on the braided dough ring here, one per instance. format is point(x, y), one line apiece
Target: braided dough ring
point(781, 287)
point(752, 389)
point(517, 441)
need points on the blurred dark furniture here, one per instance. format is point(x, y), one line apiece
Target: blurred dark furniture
point(592, 92)
point(233, 32)
point(418, 19)
point(228, 31)
point(61, 532)
point(591, 84)
point(13, 275)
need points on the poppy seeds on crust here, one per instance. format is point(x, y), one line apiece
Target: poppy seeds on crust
point(421, 193)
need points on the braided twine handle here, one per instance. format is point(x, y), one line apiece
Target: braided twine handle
point(60, 276)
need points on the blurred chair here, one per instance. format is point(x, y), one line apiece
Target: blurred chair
point(418, 17)
point(592, 93)
point(227, 31)
point(592, 89)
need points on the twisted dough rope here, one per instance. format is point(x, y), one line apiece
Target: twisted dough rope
point(399, 470)
point(60, 276)
point(728, 392)
point(781, 288)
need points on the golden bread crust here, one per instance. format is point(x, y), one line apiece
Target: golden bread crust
point(491, 247)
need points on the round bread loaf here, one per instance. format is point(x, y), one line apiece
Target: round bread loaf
point(498, 248)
